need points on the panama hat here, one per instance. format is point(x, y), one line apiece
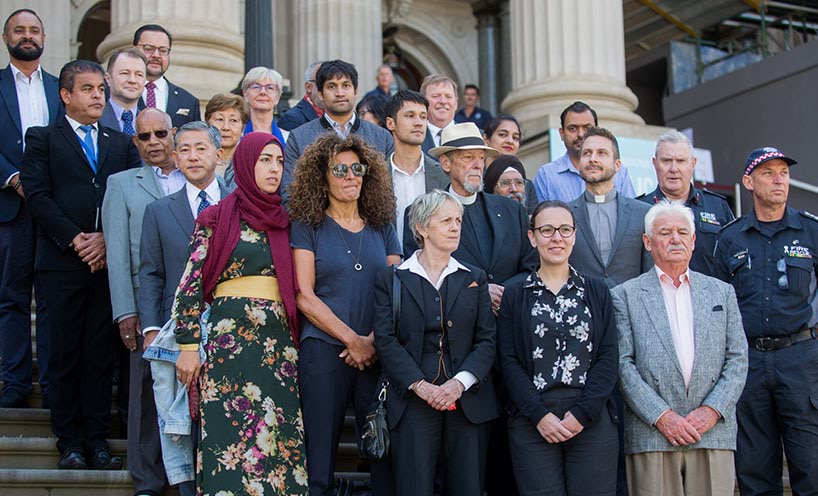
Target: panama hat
point(464, 136)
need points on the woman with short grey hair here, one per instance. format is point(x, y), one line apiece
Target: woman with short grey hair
point(436, 357)
point(261, 87)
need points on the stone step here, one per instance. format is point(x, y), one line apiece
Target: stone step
point(39, 452)
point(35, 397)
point(53, 482)
point(35, 422)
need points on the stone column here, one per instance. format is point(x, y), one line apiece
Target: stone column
point(338, 29)
point(258, 35)
point(208, 48)
point(487, 24)
point(567, 50)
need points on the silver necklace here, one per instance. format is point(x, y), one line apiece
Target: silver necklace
point(355, 259)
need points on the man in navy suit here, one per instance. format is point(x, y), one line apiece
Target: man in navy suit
point(65, 170)
point(126, 82)
point(182, 107)
point(310, 107)
point(29, 96)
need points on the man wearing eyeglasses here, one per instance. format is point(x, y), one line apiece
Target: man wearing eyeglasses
point(127, 195)
point(770, 256)
point(182, 107)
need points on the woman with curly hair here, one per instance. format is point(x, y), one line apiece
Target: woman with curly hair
point(342, 208)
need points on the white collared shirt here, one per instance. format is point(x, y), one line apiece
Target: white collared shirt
point(436, 131)
point(679, 306)
point(342, 131)
point(30, 99)
point(214, 195)
point(81, 134)
point(161, 91)
point(412, 264)
point(407, 187)
point(171, 182)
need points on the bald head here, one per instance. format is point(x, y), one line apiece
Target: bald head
point(154, 138)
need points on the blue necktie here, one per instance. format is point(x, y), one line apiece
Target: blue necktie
point(88, 147)
point(127, 123)
point(202, 204)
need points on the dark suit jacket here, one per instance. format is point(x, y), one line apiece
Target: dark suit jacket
point(109, 119)
point(163, 251)
point(428, 142)
point(302, 113)
point(511, 252)
point(628, 257)
point(11, 134)
point(514, 349)
point(470, 332)
point(182, 107)
point(63, 195)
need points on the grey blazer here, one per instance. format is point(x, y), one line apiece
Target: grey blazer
point(650, 375)
point(127, 195)
point(166, 231)
point(434, 175)
point(628, 255)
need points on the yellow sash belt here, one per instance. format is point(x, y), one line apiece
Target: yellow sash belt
point(263, 287)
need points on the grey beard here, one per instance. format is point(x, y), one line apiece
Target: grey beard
point(474, 189)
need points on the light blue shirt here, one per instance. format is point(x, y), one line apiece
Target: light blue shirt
point(560, 180)
point(118, 110)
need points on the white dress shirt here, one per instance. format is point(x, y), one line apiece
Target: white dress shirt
point(407, 187)
point(161, 91)
point(32, 103)
point(171, 182)
point(81, 134)
point(437, 131)
point(679, 306)
point(214, 195)
point(412, 264)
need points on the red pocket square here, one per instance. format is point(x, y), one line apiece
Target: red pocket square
point(473, 284)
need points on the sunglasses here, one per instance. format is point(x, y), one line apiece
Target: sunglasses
point(340, 170)
point(161, 134)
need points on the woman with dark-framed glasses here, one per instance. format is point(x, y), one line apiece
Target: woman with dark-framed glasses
point(557, 346)
point(343, 209)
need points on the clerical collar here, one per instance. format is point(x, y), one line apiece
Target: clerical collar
point(465, 200)
point(606, 198)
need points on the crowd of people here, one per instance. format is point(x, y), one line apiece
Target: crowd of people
point(546, 336)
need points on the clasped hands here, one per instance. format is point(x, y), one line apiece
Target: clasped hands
point(441, 397)
point(91, 249)
point(360, 351)
point(687, 430)
point(554, 430)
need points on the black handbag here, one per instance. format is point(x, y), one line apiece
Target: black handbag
point(375, 434)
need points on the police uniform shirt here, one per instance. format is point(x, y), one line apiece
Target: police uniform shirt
point(711, 212)
point(772, 267)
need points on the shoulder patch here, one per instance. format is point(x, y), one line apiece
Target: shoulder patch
point(705, 190)
point(809, 215)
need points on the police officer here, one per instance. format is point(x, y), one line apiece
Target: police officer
point(674, 163)
point(770, 257)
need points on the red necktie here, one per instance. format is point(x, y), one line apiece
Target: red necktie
point(151, 101)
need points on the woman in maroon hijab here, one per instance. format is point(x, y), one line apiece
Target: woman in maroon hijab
point(252, 438)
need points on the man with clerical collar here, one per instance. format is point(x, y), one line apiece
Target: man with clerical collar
point(674, 163)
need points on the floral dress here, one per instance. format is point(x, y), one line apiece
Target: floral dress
point(251, 439)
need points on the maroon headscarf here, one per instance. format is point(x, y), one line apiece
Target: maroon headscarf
point(263, 212)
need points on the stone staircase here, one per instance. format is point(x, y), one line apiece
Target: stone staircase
point(28, 457)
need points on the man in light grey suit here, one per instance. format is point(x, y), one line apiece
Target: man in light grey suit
point(682, 363)
point(128, 193)
point(126, 80)
point(168, 225)
point(413, 172)
point(609, 224)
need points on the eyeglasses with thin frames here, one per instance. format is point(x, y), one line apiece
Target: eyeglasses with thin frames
point(340, 170)
point(269, 88)
point(150, 49)
point(547, 231)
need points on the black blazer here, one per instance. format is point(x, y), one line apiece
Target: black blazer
point(302, 113)
point(182, 107)
point(470, 331)
point(517, 366)
point(11, 134)
point(511, 252)
point(63, 194)
point(428, 142)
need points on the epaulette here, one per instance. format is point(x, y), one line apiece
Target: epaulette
point(809, 215)
point(730, 223)
point(705, 190)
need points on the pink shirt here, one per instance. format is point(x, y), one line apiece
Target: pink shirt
point(679, 306)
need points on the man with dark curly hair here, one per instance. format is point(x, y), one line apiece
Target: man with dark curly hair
point(342, 208)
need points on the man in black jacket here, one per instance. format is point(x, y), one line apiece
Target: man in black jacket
point(310, 107)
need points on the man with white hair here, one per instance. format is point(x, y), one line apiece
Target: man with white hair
point(680, 382)
point(674, 163)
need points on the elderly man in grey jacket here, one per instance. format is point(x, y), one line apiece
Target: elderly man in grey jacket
point(683, 363)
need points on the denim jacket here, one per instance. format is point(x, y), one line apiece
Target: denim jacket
point(173, 412)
